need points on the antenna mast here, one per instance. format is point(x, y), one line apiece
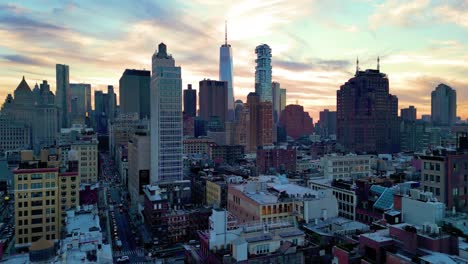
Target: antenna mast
point(225, 32)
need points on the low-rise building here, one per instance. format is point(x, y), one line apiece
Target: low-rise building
point(280, 159)
point(228, 242)
point(342, 190)
point(347, 167)
point(273, 199)
point(199, 145)
point(227, 154)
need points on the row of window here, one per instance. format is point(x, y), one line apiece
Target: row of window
point(26, 239)
point(431, 177)
point(24, 177)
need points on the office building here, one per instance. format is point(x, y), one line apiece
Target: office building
point(166, 118)
point(121, 128)
point(296, 121)
point(226, 154)
point(347, 167)
point(367, 114)
point(138, 164)
point(82, 93)
point(282, 100)
point(41, 117)
point(190, 101)
point(47, 97)
point(87, 153)
point(226, 74)
point(104, 109)
point(276, 96)
point(63, 95)
point(213, 96)
point(14, 135)
point(415, 135)
point(408, 114)
point(263, 73)
point(326, 126)
point(134, 93)
point(238, 105)
point(443, 105)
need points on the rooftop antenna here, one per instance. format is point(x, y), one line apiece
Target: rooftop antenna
point(378, 63)
point(225, 32)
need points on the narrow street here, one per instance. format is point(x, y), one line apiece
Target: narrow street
point(123, 237)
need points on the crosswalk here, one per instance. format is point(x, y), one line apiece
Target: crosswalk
point(137, 252)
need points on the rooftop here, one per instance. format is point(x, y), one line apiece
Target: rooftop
point(379, 236)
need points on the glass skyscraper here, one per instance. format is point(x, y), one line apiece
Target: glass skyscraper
point(263, 73)
point(226, 73)
point(62, 94)
point(166, 118)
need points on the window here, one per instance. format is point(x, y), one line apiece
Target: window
point(263, 249)
point(432, 178)
point(437, 167)
point(437, 191)
point(437, 178)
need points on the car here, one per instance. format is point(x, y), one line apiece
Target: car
point(123, 259)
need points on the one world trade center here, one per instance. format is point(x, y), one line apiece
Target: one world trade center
point(226, 73)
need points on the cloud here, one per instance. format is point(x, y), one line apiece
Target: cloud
point(20, 59)
point(454, 14)
point(399, 12)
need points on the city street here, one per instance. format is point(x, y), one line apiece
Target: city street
point(123, 238)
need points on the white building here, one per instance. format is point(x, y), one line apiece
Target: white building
point(421, 207)
point(166, 118)
point(87, 151)
point(346, 167)
point(346, 197)
point(84, 238)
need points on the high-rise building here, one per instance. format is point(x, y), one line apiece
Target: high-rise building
point(367, 114)
point(138, 164)
point(226, 74)
point(263, 73)
point(213, 96)
point(238, 105)
point(190, 101)
point(82, 93)
point(408, 114)
point(166, 118)
point(104, 109)
point(326, 126)
point(63, 100)
point(47, 97)
point(276, 95)
point(121, 128)
point(282, 100)
point(87, 154)
point(14, 135)
point(134, 89)
point(40, 116)
point(444, 105)
point(253, 102)
point(296, 121)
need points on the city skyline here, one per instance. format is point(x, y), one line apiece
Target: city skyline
point(305, 57)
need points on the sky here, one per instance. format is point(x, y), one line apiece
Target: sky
point(314, 43)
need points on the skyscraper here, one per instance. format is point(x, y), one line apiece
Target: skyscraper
point(296, 121)
point(62, 94)
point(276, 91)
point(367, 114)
point(213, 96)
point(134, 89)
point(82, 93)
point(444, 105)
point(190, 101)
point(263, 73)
point(326, 126)
point(112, 103)
point(166, 118)
point(226, 73)
point(408, 114)
point(282, 100)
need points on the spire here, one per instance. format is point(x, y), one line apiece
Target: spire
point(225, 32)
point(357, 65)
point(378, 63)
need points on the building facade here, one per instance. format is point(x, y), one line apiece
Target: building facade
point(408, 114)
point(138, 165)
point(87, 152)
point(166, 118)
point(443, 105)
point(134, 91)
point(213, 96)
point(296, 122)
point(190, 101)
point(263, 73)
point(347, 167)
point(367, 114)
point(63, 95)
point(226, 74)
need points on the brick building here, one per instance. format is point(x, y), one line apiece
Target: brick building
point(296, 122)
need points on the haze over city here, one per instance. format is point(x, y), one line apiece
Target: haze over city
point(314, 44)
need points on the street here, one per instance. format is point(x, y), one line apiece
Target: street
point(123, 237)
